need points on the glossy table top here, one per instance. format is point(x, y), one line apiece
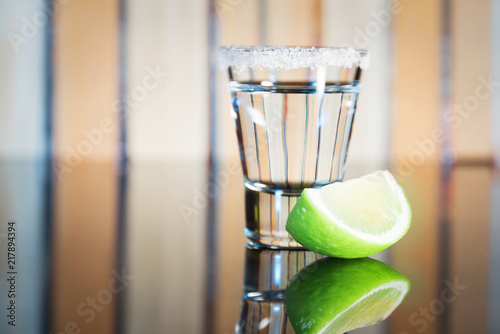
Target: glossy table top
point(149, 249)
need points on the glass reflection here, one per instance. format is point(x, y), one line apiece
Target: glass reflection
point(267, 272)
point(339, 295)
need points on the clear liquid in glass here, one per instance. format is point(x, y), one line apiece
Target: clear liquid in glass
point(291, 136)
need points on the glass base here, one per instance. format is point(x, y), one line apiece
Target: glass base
point(266, 216)
point(257, 240)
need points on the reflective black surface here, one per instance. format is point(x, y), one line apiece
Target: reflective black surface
point(98, 252)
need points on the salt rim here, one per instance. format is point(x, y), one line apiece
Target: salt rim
point(241, 57)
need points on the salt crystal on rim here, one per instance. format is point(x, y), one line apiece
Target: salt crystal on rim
point(242, 57)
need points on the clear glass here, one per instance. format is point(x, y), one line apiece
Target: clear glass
point(293, 127)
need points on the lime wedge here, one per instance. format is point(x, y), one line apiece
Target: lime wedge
point(339, 295)
point(351, 219)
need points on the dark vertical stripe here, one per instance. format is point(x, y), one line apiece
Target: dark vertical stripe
point(289, 207)
point(446, 80)
point(211, 253)
point(122, 77)
point(444, 230)
point(267, 139)
point(284, 323)
point(121, 246)
point(305, 141)
point(256, 141)
point(239, 135)
point(319, 137)
point(445, 189)
point(123, 159)
point(48, 160)
point(259, 314)
point(271, 214)
point(257, 151)
point(288, 265)
point(336, 137)
point(263, 214)
point(248, 133)
point(349, 117)
point(285, 150)
point(270, 269)
point(252, 319)
point(277, 198)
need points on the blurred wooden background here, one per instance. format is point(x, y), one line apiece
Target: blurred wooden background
point(430, 93)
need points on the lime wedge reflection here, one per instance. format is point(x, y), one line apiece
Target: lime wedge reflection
point(339, 295)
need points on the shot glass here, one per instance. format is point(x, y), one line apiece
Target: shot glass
point(293, 110)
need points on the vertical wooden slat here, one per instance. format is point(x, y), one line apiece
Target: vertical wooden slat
point(166, 248)
point(471, 74)
point(417, 86)
point(297, 27)
point(230, 249)
point(167, 113)
point(469, 253)
point(421, 244)
point(24, 198)
point(17, 179)
point(86, 139)
point(22, 89)
point(239, 23)
point(168, 146)
point(417, 35)
point(86, 87)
